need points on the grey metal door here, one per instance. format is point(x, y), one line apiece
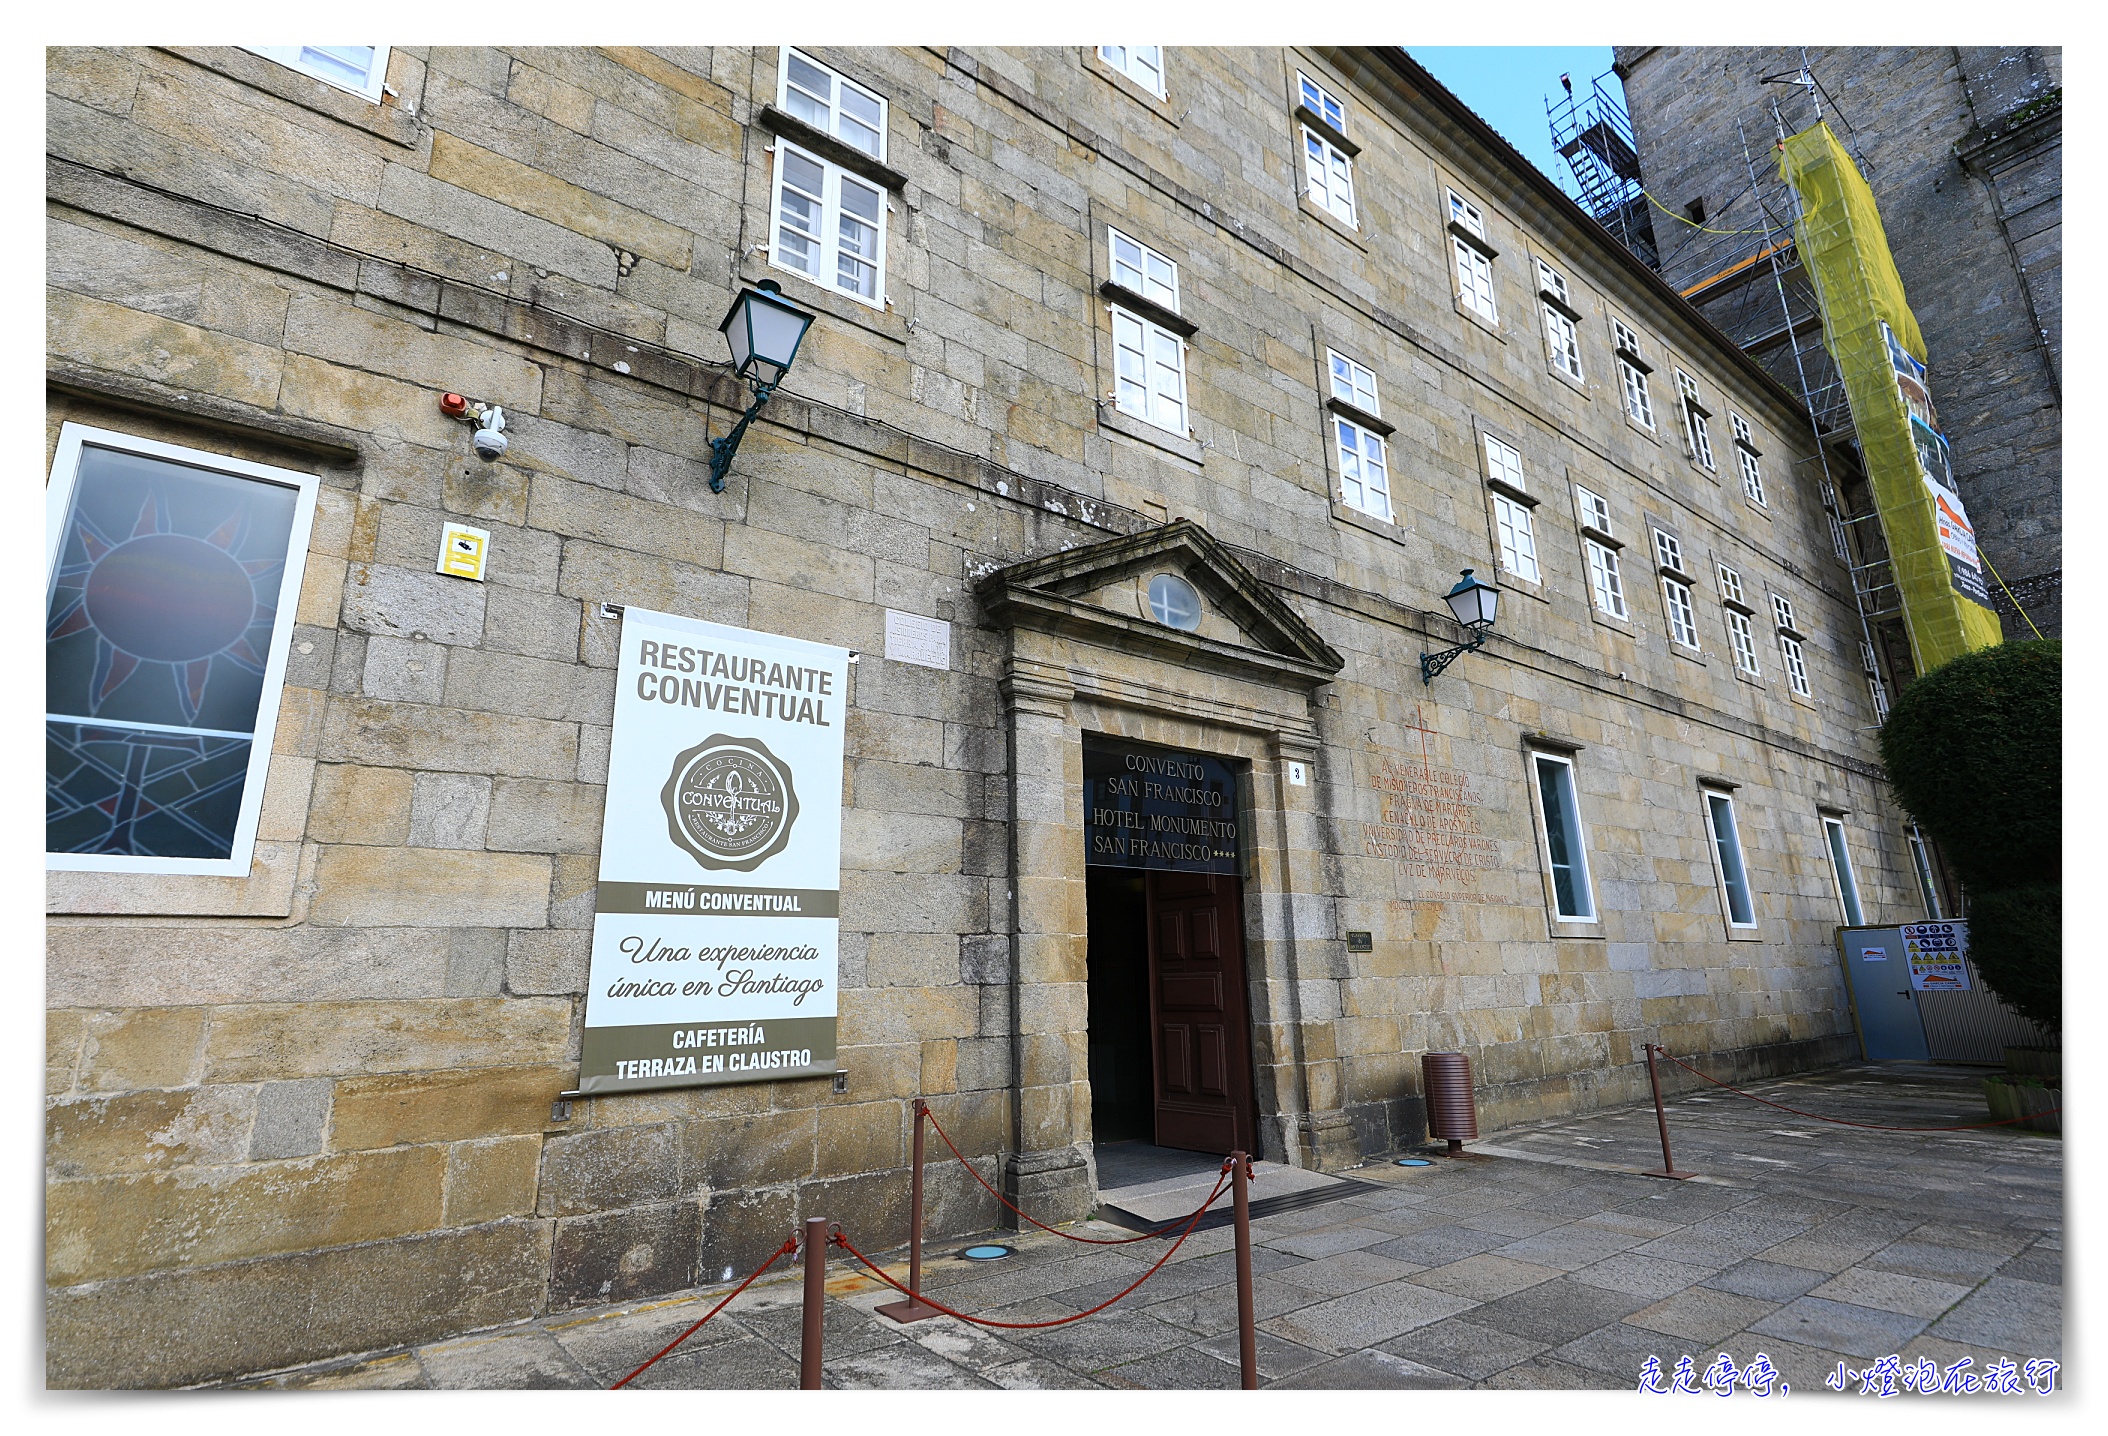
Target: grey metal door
point(1890, 1029)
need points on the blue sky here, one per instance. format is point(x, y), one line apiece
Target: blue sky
point(1507, 85)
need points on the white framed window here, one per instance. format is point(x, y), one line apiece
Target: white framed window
point(1727, 852)
point(1668, 550)
point(1322, 102)
point(1565, 846)
point(830, 225)
point(1474, 266)
point(1475, 280)
point(1879, 695)
point(1143, 64)
point(1463, 211)
point(1328, 172)
point(1683, 623)
point(1605, 583)
point(1746, 456)
point(1150, 367)
point(1563, 343)
point(1921, 863)
point(830, 101)
point(1149, 361)
point(1632, 379)
point(1695, 432)
point(1138, 267)
point(172, 576)
point(1782, 612)
point(1743, 642)
point(1841, 871)
point(1740, 640)
point(1513, 534)
point(1364, 471)
point(361, 69)
point(1796, 663)
point(1353, 384)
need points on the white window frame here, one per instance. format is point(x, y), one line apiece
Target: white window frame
point(1683, 617)
point(1563, 340)
point(1147, 281)
point(837, 116)
point(1843, 879)
point(1128, 60)
point(1743, 643)
point(1746, 456)
point(1154, 405)
point(1463, 211)
point(1782, 612)
point(1730, 583)
point(1474, 266)
point(301, 58)
point(829, 239)
point(58, 504)
point(1668, 550)
point(1695, 432)
point(1632, 380)
point(1357, 386)
point(1570, 809)
point(1360, 450)
point(1328, 177)
point(1606, 582)
point(1595, 510)
point(1796, 664)
point(1327, 106)
point(1879, 695)
point(1515, 539)
point(1837, 536)
point(1725, 877)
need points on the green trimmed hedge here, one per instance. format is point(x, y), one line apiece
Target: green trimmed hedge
point(1974, 752)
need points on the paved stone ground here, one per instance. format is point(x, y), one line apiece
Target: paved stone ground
point(1545, 1261)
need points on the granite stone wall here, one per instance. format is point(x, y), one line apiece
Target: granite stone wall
point(311, 1110)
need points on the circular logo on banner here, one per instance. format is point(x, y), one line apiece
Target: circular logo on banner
point(730, 803)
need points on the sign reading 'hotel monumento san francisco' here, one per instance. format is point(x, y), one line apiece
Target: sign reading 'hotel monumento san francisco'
point(1156, 808)
point(716, 944)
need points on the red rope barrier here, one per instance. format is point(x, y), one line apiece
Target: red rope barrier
point(790, 1245)
point(1065, 1236)
point(1868, 1126)
point(841, 1240)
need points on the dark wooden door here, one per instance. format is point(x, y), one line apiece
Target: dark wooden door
point(1202, 1036)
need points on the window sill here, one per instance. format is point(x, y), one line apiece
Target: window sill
point(1508, 491)
point(1754, 680)
point(1650, 435)
point(1572, 930)
point(1689, 655)
point(318, 96)
point(1611, 621)
point(883, 322)
point(1367, 522)
point(1476, 241)
point(835, 151)
point(1579, 386)
point(1115, 293)
point(1515, 583)
point(1339, 227)
point(1744, 934)
point(1113, 419)
point(266, 892)
point(1322, 128)
point(1355, 414)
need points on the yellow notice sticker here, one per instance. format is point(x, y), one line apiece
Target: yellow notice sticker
point(462, 550)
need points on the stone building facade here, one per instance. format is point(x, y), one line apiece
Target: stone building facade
point(1963, 147)
point(311, 1106)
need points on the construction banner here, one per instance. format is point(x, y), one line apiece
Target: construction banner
point(715, 939)
point(1871, 333)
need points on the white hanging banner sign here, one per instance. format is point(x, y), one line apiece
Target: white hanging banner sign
point(715, 943)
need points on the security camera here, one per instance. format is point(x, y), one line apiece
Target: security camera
point(490, 438)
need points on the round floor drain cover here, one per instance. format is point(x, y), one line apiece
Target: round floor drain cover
point(1414, 1162)
point(986, 1253)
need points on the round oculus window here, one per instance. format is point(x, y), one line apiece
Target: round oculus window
point(1174, 602)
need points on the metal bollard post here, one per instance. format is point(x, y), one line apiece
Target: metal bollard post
point(914, 1308)
point(1247, 1317)
point(1661, 1119)
point(815, 1303)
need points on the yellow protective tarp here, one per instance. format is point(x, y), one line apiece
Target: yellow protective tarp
point(1872, 335)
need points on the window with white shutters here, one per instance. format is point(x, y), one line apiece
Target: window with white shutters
point(1143, 64)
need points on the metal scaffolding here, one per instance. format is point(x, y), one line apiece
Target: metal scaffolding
point(1593, 134)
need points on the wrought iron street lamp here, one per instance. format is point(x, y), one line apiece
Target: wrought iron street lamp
point(1474, 603)
point(763, 330)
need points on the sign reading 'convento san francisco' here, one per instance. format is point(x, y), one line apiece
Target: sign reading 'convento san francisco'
point(715, 943)
point(1154, 808)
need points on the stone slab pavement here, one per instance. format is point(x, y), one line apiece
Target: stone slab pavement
point(1543, 1260)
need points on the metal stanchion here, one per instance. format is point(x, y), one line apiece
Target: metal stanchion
point(914, 1308)
point(1661, 1119)
point(1247, 1317)
point(815, 1303)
